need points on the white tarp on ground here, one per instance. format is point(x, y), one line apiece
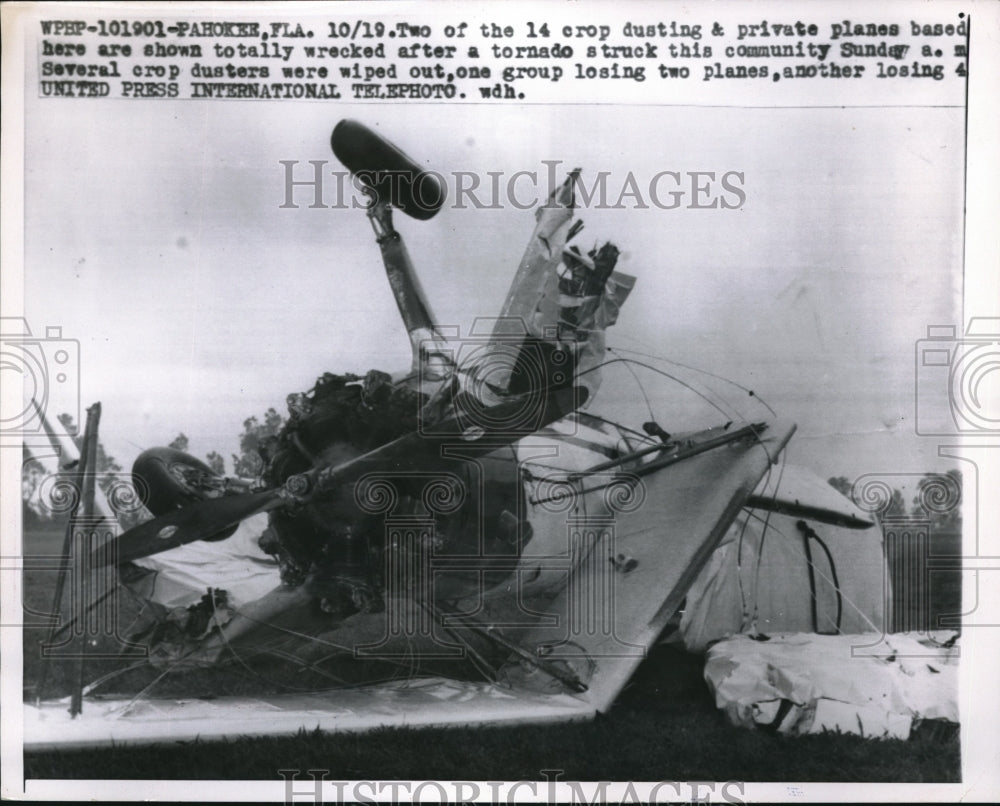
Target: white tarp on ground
point(873, 685)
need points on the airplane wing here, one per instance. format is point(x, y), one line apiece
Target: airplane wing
point(629, 563)
point(642, 555)
point(803, 494)
point(422, 703)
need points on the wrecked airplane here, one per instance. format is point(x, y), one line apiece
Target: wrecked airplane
point(481, 540)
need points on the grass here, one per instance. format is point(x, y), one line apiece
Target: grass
point(664, 726)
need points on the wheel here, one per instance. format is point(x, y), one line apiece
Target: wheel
point(171, 479)
point(385, 169)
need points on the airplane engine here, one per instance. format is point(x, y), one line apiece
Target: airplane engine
point(350, 547)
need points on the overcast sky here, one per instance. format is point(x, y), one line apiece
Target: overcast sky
point(154, 236)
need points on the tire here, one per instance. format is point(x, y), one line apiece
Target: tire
point(169, 479)
point(388, 171)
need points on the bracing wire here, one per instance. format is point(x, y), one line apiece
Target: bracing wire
point(100, 681)
point(253, 673)
point(729, 415)
point(846, 598)
point(722, 378)
point(639, 383)
point(763, 537)
point(407, 666)
point(478, 661)
point(287, 656)
point(744, 610)
point(149, 687)
point(746, 617)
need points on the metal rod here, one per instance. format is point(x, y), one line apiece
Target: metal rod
point(715, 442)
point(67, 551)
point(566, 678)
point(86, 516)
point(406, 289)
point(722, 439)
point(56, 611)
point(492, 634)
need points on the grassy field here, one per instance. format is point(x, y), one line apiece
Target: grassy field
point(664, 726)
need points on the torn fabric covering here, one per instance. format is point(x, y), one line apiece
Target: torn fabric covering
point(602, 315)
point(870, 685)
point(536, 270)
point(559, 296)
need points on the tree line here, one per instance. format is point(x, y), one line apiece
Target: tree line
point(937, 497)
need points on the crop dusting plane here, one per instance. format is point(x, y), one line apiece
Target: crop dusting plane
point(484, 540)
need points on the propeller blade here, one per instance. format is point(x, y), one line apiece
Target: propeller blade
point(196, 521)
point(480, 432)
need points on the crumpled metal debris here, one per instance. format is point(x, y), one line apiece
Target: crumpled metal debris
point(183, 628)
